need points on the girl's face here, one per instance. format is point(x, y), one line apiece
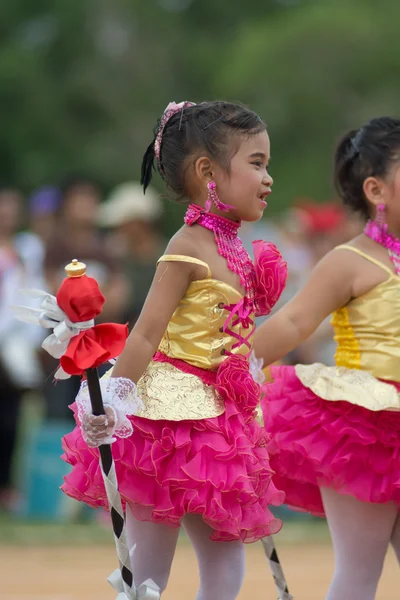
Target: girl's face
point(247, 185)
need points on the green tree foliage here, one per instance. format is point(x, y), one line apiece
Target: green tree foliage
point(82, 83)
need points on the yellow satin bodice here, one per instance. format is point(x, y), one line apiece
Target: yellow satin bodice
point(367, 330)
point(194, 333)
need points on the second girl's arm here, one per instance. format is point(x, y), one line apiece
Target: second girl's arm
point(330, 287)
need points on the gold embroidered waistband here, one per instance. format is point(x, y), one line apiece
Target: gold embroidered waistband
point(171, 394)
point(352, 385)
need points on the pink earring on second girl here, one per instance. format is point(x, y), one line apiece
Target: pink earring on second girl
point(212, 198)
point(380, 218)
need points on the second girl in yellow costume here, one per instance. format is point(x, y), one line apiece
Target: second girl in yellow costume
point(335, 431)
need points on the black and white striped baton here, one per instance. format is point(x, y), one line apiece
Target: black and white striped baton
point(50, 315)
point(276, 568)
point(122, 581)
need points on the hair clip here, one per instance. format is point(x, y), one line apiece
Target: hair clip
point(213, 122)
point(356, 139)
point(356, 148)
point(180, 120)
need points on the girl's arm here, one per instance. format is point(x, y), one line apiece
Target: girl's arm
point(169, 286)
point(330, 287)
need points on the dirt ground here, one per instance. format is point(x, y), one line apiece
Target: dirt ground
point(57, 573)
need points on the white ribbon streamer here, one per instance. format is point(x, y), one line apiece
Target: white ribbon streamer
point(149, 590)
point(50, 316)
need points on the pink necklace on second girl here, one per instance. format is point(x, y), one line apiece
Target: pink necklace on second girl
point(229, 244)
point(377, 230)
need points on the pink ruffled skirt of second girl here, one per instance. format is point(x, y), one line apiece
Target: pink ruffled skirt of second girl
point(336, 444)
point(217, 468)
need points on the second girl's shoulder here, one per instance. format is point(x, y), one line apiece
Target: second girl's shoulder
point(341, 259)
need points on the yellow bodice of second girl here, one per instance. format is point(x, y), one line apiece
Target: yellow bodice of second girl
point(367, 332)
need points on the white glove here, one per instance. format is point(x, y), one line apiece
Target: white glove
point(120, 399)
point(99, 430)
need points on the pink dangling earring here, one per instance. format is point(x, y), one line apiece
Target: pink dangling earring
point(380, 218)
point(212, 198)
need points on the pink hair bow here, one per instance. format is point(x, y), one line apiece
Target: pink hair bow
point(171, 110)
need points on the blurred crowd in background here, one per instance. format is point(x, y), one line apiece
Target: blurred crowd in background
point(120, 238)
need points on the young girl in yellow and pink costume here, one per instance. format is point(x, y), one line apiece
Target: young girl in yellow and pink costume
point(335, 431)
point(194, 453)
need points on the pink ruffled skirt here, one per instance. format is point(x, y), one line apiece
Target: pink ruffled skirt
point(335, 444)
point(218, 468)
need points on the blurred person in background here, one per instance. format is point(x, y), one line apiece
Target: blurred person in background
point(310, 230)
point(43, 206)
point(296, 251)
point(134, 241)
point(76, 235)
point(321, 225)
point(19, 370)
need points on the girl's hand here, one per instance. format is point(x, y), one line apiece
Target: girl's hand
point(99, 430)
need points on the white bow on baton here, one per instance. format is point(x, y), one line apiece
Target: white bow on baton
point(149, 590)
point(50, 316)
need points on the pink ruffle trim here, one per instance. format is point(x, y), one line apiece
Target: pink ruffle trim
point(339, 445)
point(218, 468)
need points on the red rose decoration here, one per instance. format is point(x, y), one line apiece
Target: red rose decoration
point(235, 382)
point(81, 300)
point(271, 274)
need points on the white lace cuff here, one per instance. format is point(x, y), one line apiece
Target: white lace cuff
point(255, 368)
point(118, 393)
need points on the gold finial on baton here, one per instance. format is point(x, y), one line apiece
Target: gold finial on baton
point(75, 268)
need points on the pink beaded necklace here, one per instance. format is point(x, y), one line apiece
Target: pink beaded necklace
point(378, 231)
point(229, 244)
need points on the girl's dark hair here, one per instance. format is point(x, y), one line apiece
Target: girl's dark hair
point(201, 128)
point(366, 152)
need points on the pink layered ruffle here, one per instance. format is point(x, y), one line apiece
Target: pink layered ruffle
point(271, 274)
point(315, 443)
point(218, 468)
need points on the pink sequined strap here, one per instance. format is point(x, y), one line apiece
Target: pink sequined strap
point(169, 112)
